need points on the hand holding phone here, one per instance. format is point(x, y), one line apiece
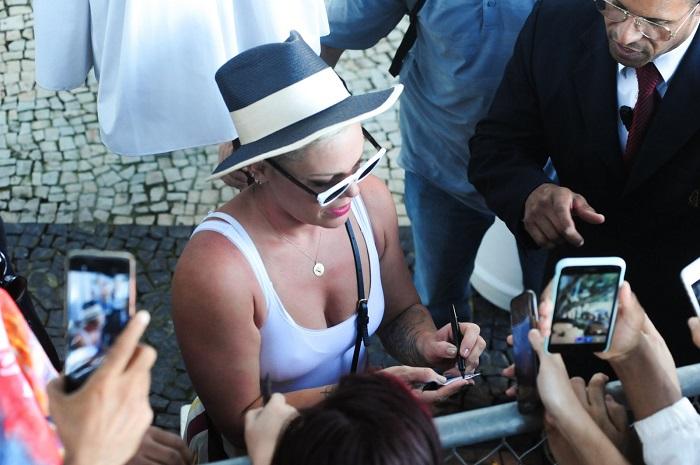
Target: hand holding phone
point(523, 317)
point(100, 299)
point(585, 304)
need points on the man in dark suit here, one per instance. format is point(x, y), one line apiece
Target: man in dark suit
point(622, 134)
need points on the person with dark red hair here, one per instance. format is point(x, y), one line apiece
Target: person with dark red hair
point(369, 419)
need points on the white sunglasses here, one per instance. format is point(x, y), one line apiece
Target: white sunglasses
point(329, 195)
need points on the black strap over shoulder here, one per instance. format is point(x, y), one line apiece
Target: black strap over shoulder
point(408, 40)
point(362, 321)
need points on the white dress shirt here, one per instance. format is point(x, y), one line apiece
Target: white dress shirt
point(155, 61)
point(627, 88)
point(671, 436)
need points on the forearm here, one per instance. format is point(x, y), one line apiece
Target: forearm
point(308, 397)
point(588, 442)
point(648, 378)
point(402, 336)
point(301, 399)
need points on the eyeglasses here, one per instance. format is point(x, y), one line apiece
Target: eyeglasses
point(649, 29)
point(16, 286)
point(329, 195)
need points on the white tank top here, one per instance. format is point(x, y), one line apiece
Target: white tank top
point(293, 356)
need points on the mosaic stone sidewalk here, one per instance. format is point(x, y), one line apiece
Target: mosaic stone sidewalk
point(55, 169)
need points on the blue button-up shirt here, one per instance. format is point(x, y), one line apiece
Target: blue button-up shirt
point(450, 75)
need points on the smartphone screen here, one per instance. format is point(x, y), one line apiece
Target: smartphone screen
point(585, 307)
point(99, 302)
point(523, 317)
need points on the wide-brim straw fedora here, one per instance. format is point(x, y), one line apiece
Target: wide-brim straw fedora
point(283, 96)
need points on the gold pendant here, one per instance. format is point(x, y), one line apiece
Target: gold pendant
point(319, 269)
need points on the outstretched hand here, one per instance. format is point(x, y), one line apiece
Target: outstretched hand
point(416, 377)
point(631, 325)
point(264, 426)
point(104, 421)
point(161, 447)
point(556, 393)
point(549, 215)
point(610, 416)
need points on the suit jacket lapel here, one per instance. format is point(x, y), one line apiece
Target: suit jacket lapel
point(595, 81)
point(675, 121)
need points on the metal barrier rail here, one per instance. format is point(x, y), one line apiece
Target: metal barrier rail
point(501, 421)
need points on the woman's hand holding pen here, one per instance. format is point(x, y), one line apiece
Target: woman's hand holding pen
point(440, 351)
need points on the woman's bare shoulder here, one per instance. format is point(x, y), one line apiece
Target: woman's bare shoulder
point(212, 268)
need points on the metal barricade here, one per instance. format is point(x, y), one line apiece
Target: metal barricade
point(499, 422)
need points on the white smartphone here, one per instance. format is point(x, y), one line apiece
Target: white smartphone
point(690, 275)
point(100, 299)
point(585, 304)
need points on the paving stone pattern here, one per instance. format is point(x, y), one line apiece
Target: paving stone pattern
point(55, 169)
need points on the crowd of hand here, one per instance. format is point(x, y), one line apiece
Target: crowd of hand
point(584, 424)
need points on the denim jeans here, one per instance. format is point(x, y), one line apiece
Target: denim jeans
point(446, 236)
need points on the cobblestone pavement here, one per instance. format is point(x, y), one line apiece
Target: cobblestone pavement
point(38, 253)
point(55, 169)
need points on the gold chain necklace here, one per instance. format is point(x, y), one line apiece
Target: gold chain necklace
point(318, 268)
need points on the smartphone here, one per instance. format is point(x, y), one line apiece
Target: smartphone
point(585, 303)
point(100, 299)
point(690, 275)
point(523, 317)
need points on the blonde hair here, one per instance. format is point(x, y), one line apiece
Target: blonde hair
point(298, 154)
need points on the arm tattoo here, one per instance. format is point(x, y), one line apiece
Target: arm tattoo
point(400, 336)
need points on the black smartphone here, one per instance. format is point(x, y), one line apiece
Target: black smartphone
point(585, 304)
point(100, 299)
point(523, 317)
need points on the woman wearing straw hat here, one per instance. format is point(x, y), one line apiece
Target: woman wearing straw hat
point(281, 286)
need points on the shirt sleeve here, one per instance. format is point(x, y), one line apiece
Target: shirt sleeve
point(63, 43)
point(359, 24)
point(671, 435)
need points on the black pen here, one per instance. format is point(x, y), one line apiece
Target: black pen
point(266, 389)
point(457, 336)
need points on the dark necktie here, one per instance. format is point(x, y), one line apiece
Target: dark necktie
point(648, 77)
